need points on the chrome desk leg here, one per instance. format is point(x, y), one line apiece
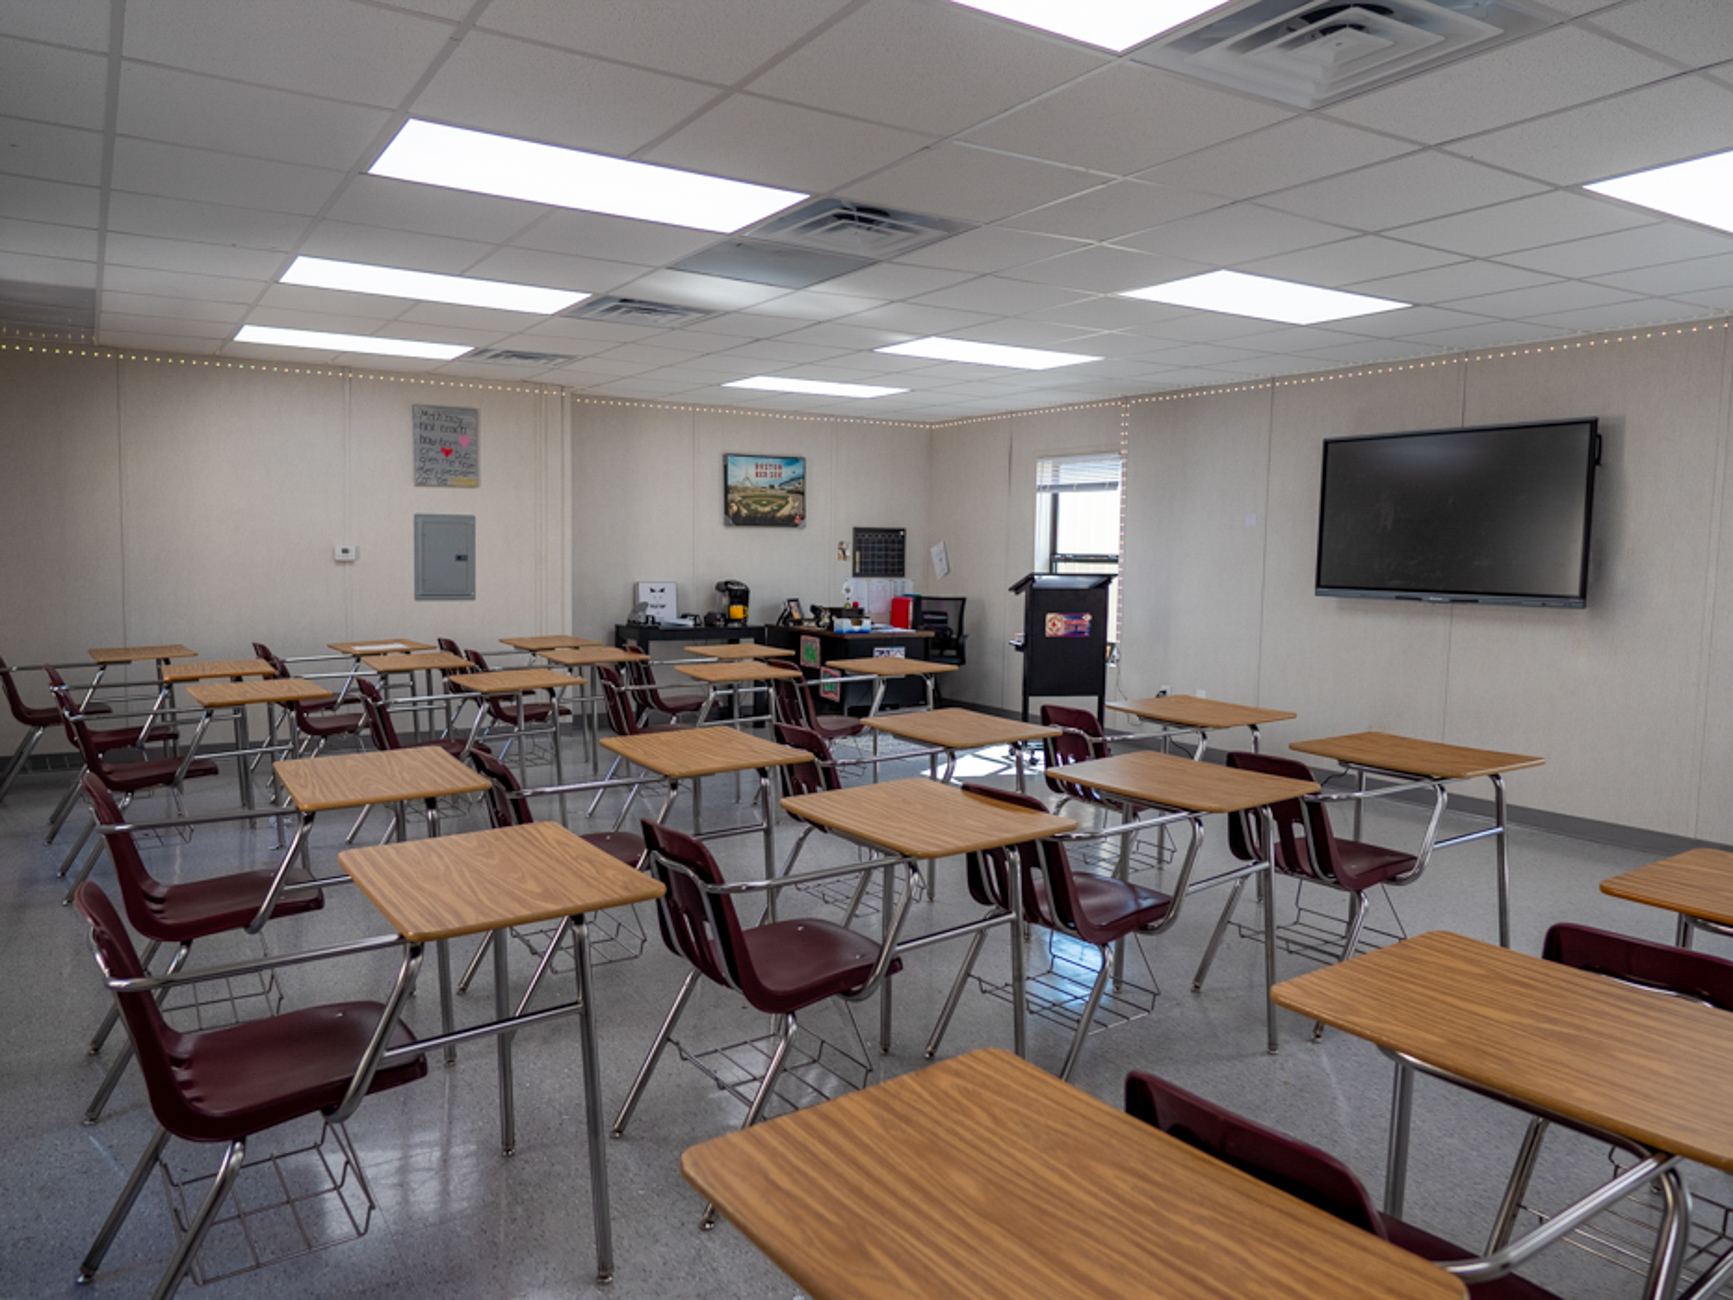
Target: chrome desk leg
point(593, 1106)
point(502, 1043)
point(1269, 879)
point(1396, 1162)
point(1503, 850)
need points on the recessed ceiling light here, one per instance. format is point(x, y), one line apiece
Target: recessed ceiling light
point(424, 286)
point(349, 343)
point(1239, 294)
point(815, 387)
point(1114, 25)
point(1700, 190)
point(567, 178)
point(985, 354)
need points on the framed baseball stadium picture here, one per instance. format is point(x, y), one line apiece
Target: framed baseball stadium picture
point(764, 491)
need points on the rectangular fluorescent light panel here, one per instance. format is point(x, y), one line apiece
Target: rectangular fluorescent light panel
point(1239, 294)
point(1700, 190)
point(349, 343)
point(483, 163)
point(424, 286)
point(985, 354)
point(813, 387)
point(1115, 25)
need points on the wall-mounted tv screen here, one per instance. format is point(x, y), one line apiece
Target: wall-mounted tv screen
point(1498, 514)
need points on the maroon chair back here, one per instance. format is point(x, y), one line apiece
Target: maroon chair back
point(447, 645)
point(502, 809)
point(622, 717)
point(1049, 889)
point(807, 778)
point(1302, 1171)
point(641, 673)
point(683, 914)
point(1072, 747)
point(379, 724)
point(1292, 858)
point(1696, 975)
point(791, 703)
point(22, 713)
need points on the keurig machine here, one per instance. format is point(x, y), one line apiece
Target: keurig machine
point(736, 602)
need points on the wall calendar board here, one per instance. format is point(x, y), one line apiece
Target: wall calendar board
point(878, 552)
point(447, 446)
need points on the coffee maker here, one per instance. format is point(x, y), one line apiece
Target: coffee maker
point(736, 602)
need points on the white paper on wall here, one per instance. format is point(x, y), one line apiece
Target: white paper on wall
point(941, 562)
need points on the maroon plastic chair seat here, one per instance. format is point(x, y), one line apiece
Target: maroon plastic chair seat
point(794, 706)
point(504, 809)
point(504, 708)
point(622, 713)
point(658, 699)
point(315, 718)
point(29, 715)
point(1662, 966)
point(1300, 1170)
point(384, 731)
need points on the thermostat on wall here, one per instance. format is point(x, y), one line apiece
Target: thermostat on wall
point(344, 553)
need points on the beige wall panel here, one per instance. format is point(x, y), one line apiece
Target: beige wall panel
point(969, 510)
point(1346, 665)
point(1715, 760)
point(1195, 527)
point(519, 574)
point(61, 589)
point(633, 484)
point(881, 482)
point(233, 487)
point(1566, 683)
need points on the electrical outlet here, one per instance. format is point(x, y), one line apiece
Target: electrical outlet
point(344, 554)
point(1201, 693)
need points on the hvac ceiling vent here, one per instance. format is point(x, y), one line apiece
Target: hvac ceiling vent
point(782, 266)
point(857, 229)
point(1313, 54)
point(516, 357)
point(52, 308)
point(637, 311)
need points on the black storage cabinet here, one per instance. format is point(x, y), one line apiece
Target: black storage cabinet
point(1064, 635)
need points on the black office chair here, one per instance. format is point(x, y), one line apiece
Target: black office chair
point(943, 617)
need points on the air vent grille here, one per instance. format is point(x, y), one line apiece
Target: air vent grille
point(1318, 52)
point(858, 229)
point(638, 311)
point(50, 307)
point(517, 357)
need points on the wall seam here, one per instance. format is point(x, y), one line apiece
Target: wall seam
point(1450, 610)
point(1264, 550)
point(1707, 657)
point(120, 498)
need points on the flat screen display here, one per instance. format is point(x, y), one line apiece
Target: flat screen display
point(1498, 514)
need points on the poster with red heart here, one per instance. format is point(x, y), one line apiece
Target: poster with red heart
point(447, 446)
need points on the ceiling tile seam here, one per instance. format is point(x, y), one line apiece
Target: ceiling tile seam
point(241, 82)
point(110, 123)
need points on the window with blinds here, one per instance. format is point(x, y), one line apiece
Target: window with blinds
point(1079, 518)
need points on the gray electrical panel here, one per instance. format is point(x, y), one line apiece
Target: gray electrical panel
point(445, 557)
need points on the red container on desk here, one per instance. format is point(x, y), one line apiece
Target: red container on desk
point(902, 611)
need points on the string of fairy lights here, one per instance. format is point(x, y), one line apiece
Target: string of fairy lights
point(48, 344)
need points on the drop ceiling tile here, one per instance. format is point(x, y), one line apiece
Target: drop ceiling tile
point(64, 272)
point(55, 153)
point(1526, 223)
point(209, 113)
point(932, 68)
point(149, 335)
point(39, 239)
point(1033, 334)
point(47, 84)
point(995, 296)
point(1104, 120)
point(373, 309)
point(1457, 280)
point(523, 266)
point(1670, 278)
point(892, 280)
point(916, 321)
point(595, 369)
point(205, 223)
point(179, 284)
point(146, 167)
point(1370, 352)
point(716, 43)
point(754, 139)
point(1543, 73)
point(200, 259)
point(1577, 8)
point(178, 309)
point(1290, 153)
point(711, 291)
point(1106, 269)
point(1624, 250)
point(1107, 312)
point(819, 304)
point(584, 336)
point(346, 242)
point(1633, 314)
point(1677, 119)
point(747, 325)
point(79, 23)
point(1409, 323)
point(1495, 334)
point(613, 239)
point(1350, 261)
point(454, 10)
point(1237, 233)
point(1402, 191)
point(497, 84)
point(29, 199)
point(1524, 304)
point(968, 184)
point(445, 316)
point(1200, 354)
point(783, 353)
point(1113, 211)
point(1295, 339)
point(1687, 31)
point(430, 210)
point(332, 48)
point(846, 337)
point(989, 249)
point(1179, 325)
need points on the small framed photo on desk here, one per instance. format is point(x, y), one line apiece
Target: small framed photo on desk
point(791, 613)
